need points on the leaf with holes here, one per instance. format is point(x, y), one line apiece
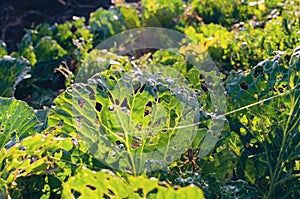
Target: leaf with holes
point(264, 112)
point(104, 184)
point(17, 121)
point(130, 123)
point(35, 155)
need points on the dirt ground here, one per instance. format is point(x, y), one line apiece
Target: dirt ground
point(17, 15)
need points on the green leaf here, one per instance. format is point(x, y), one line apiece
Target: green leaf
point(17, 121)
point(3, 49)
point(36, 155)
point(160, 12)
point(264, 112)
point(12, 71)
point(105, 23)
point(48, 49)
point(124, 120)
point(87, 184)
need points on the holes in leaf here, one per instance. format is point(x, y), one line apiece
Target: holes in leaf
point(244, 85)
point(75, 193)
point(201, 76)
point(168, 158)
point(148, 109)
point(138, 127)
point(149, 104)
point(111, 108)
point(125, 103)
point(140, 192)
point(33, 159)
point(39, 149)
point(257, 71)
point(204, 87)
point(136, 142)
point(189, 180)
point(81, 102)
point(111, 98)
point(13, 135)
point(137, 87)
point(22, 148)
point(120, 147)
point(92, 97)
point(110, 192)
point(151, 142)
point(99, 87)
point(282, 107)
point(142, 88)
point(78, 119)
point(74, 141)
point(113, 154)
point(152, 193)
point(176, 148)
point(91, 187)
point(197, 92)
point(92, 93)
point(125, 107)
point(98, 107)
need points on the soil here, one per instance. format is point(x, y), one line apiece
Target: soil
point(16, 15)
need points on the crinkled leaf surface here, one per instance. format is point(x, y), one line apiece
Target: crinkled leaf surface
point(131, 122)
point(17, 121)
point(35, 155)
point(12, 71)
point(90, 184)
point(264, 112)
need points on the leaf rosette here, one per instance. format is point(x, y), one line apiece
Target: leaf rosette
point(142, 115)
